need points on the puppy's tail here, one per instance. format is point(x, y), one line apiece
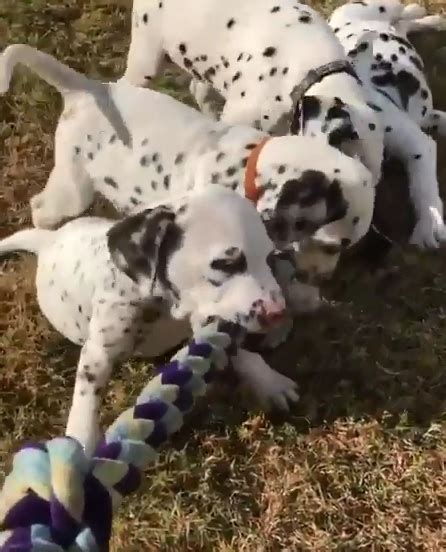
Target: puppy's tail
point(32, 240)
point(66, 80)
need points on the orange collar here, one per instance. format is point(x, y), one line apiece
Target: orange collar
point(251, 191)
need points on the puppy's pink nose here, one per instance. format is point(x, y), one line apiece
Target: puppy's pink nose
point(271, 313)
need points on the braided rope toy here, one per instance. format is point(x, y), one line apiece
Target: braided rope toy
point(56, 499)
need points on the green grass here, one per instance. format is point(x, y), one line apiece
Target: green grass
point(360, 464)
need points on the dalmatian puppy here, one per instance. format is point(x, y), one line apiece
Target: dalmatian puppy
point(203, 257)
point(278, 66)
point(307, 192)
point(374, 34)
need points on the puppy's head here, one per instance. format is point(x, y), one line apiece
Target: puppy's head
point(367, 10)
point(313, 198)
point(208, 256)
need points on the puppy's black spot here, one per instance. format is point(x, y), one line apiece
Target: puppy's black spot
point(182, 47)
point(166, 182)
point(231, 171)
point(137, 190)
point(179, 159)
point(236, 264)
point(270, 51)
point(305, 18)
point(145, 19)
point(273, 71)
point(144, 161)
point(111, 182)
point(220, 156)
point(406, 84)
point(209, 73)
point(374, 107)
point(418, 64)
point(230, 23)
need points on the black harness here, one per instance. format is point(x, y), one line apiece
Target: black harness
point(313, 77)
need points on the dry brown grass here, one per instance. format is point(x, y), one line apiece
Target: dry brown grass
point(361, 463)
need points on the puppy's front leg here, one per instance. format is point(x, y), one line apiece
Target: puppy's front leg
point(93, 372)
point(405, 140)
point(146, 52)
point(270, 389)
point(111, 336)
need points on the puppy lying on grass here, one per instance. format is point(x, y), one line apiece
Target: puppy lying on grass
point(203, 257)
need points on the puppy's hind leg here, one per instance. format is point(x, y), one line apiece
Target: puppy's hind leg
point(68, 193)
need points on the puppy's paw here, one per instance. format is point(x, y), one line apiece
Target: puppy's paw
point(41, 216)
point(85, 432)
point(430, 231)
point(273, 391)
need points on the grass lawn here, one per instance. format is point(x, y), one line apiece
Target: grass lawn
point(360, 464)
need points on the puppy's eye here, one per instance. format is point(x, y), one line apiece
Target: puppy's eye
point(230, 266)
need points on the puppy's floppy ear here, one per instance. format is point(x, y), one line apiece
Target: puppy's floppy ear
point(141, 245)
